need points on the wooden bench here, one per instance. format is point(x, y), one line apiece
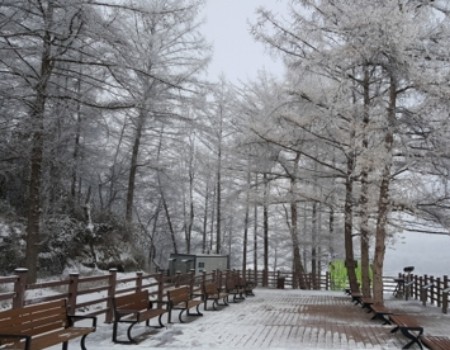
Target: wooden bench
point(366, 303)
point(40, 326)
point(135, 308)
point(212, 292)
point(435, 342)
point(356, 297)
point(248, 287)
point(232, 287)
point(381, 313)
point(409, 327)
point(180, 299)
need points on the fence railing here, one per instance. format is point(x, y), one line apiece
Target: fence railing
point(92, 295)
point(282, 279)
point(428, 289)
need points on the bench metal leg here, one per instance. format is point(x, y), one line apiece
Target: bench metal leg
point(179, 316)
point(381, 317)
point(196, 314)
point(130, 338)
point(414, 339)
point(161, 325)
point(82, 342)
point(406, 332)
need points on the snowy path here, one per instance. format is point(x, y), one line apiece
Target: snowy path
point(278, 319)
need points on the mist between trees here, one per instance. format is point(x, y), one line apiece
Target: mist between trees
point(115, 152)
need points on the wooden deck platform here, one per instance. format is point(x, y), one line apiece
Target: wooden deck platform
point(285, 319)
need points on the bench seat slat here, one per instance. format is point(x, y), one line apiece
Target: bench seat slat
point(53, 338)
point(435, 342)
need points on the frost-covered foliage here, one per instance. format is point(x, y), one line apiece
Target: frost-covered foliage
point(11, 239)
point(66, 242)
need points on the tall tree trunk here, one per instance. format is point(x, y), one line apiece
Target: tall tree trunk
point(112, 185)
point(76, 148)
point(152, 251)
point(246, 224)
point(314, 245)
point(255, 233)
point(134, 166)
point(37, 150)
point(384, 198)
point(205, 219)
point(169, 221)
point(213, 214)
point(364, 201)
point(266, 231)
point(299, 271)
point(191, 195)
point(350, 262)
point(219, 199)
point(163, 198)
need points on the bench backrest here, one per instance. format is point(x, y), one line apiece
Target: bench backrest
point(35, 319)
point(230, 283)
point(210, 288)
point(178, 295)
point(134, 301)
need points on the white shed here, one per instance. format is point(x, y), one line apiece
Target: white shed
point(184, 263)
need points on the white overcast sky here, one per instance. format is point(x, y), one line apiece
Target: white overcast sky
point(236, 54)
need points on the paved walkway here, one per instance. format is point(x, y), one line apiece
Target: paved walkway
point(283, 319)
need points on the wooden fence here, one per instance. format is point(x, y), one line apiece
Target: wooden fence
point(92, 295)
point(428, 289)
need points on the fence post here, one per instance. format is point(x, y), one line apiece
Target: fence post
point(112, 281)
point(160, 287)
point(192, 281)
point(73, 291)
point(438, 293)
point(20, 287)
point(203, 278)
point(139, 281)
point(327, 280)
point(445, 292)
point(431, 294)
point(424, 293)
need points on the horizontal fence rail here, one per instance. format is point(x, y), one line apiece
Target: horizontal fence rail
point(92, 295)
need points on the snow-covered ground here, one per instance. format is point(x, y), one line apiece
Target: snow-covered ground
point(277, 319)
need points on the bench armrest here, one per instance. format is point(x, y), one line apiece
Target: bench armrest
point(75, 318)
point(158, 302)
point(17, 336)
point(119, 313)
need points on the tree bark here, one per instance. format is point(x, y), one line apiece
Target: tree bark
point(246, 224)
point(350, 262)
point(37, 117)
point(364, 201)
point(134, 166)
point(266, 231)
point(205, 219)
point(255, 234)
point(299, 271)
point(384, 197)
